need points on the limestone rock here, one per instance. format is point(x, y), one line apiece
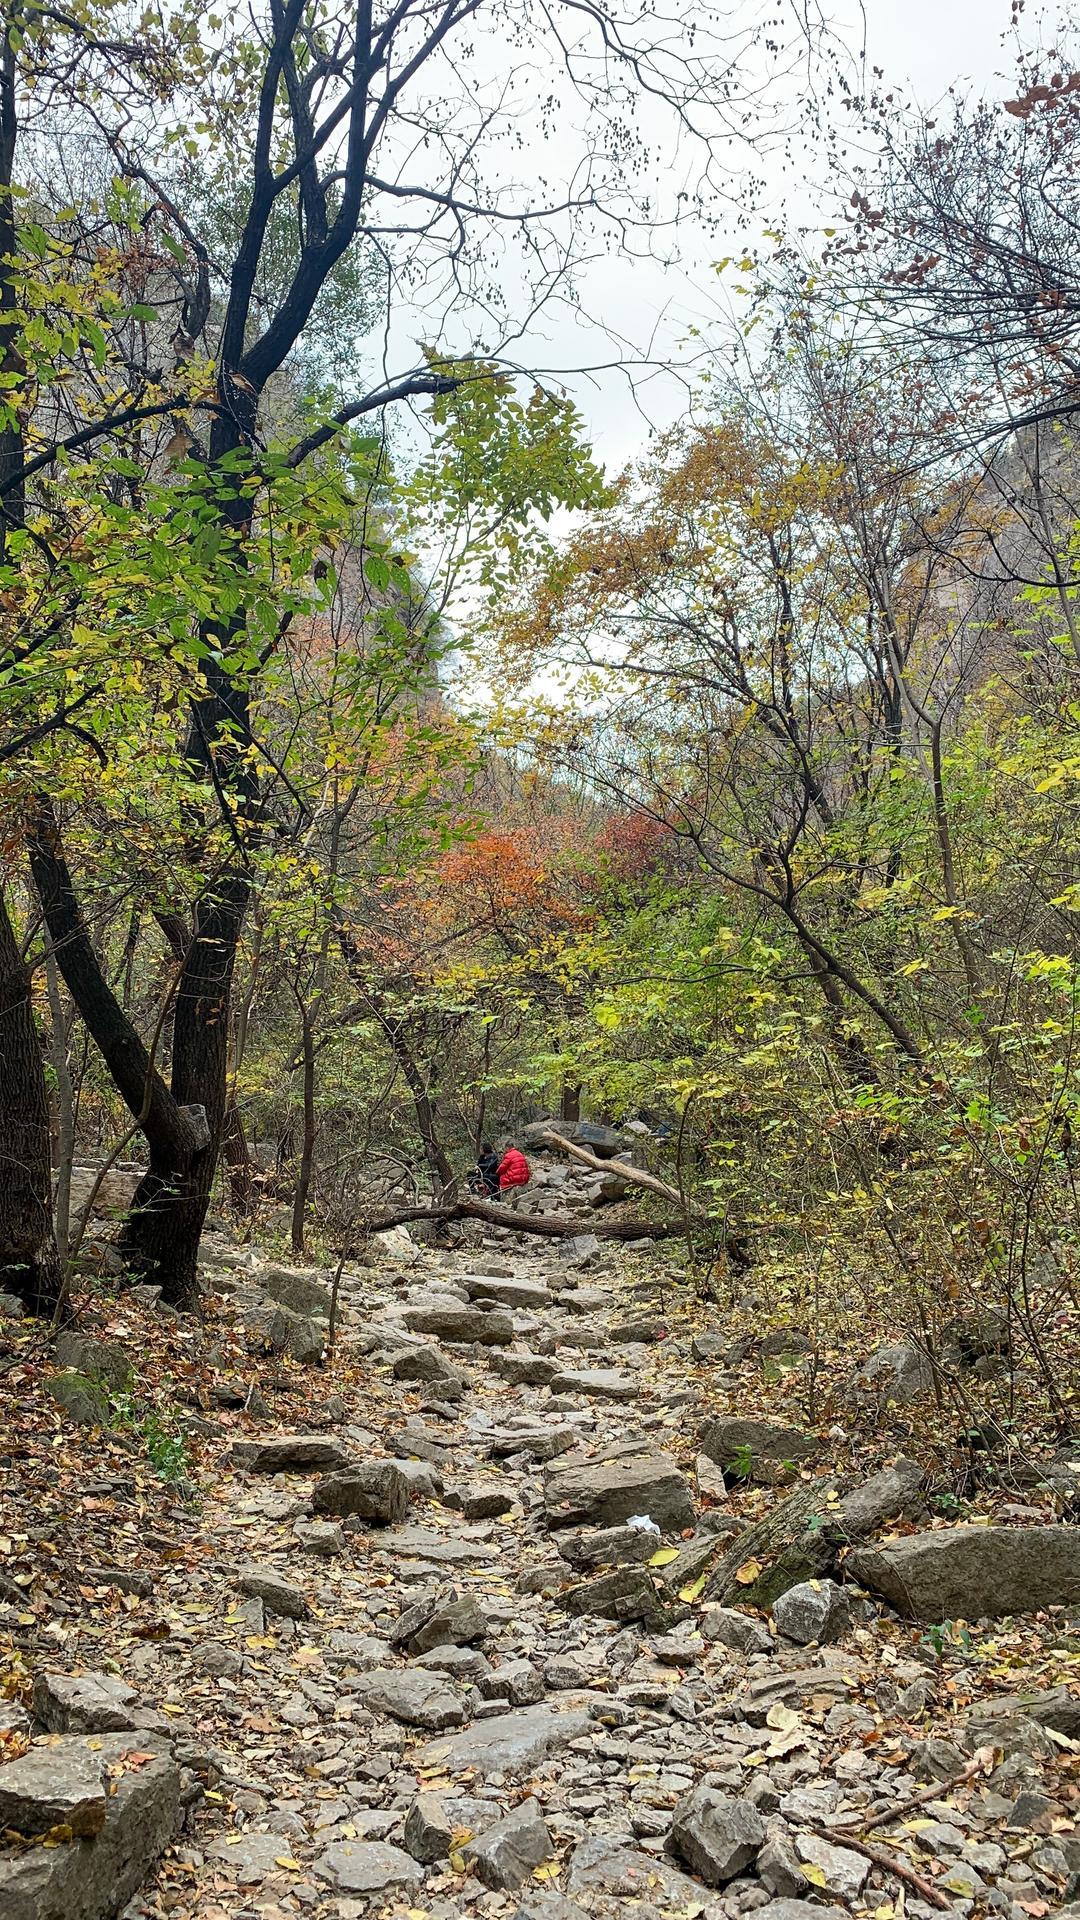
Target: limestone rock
point(815, 1610)
point(54, 1786)
point(846, 1873)
point(626, 1593)
point(93, 1879)
point(291, 1453)
point(597, 1383)
point(434, 1819)
point(524, 1369)
point(413, 1696)
point(376, 1490)
point(900, 1373)
point(746, 1447)
point(85, 1703)
point(303, 1289)
point(508, 1293)
point(508, 1742)
point(608, 1547)
point(430, 1367)
point(103, 1360)
point(607, 1864)
point(884, 1497)
point(735, 1630)
point(457, 1621)
point(584, 1491)
point(974, 1573)
point(367, 1867)
point(85, 1400)
point(462, 1324)
point(277, 1594)
point(506, 1854)
point(716, 1836)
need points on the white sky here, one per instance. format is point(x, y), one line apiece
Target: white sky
point(924, 46)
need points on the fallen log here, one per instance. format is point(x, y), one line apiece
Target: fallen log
point(790, 1544)
point(552, 1225)
point(637, 1176)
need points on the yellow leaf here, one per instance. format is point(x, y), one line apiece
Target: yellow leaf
point(286, 1860)
point(664, 1556)
point(457, 1862)
point(814, 1873)
point(783, 1718)
point(694, 1590)
point(748, 1572)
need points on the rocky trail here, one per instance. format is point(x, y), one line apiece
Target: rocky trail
point(537, 1602)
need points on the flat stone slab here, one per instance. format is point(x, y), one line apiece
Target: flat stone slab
point(585, 1491)
point(441, 1549)
point(508, 1742)
point(508, 1293)
point(413, 1696)
point(368, 1866)
point(604, 1864)
point(463, 1325)
point(597, 1383)
point(974, 1573)
point(291, 1453)
point(252, 1857)
point(93, 1879)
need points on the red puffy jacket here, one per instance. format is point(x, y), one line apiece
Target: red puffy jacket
point(513, 1169)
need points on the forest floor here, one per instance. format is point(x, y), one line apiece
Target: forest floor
point(348, 1750)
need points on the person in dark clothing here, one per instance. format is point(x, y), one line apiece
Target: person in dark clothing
point(488, 1168)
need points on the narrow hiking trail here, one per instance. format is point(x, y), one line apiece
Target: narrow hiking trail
point(436, 1638)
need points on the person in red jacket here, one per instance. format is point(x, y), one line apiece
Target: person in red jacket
point(513, 1173)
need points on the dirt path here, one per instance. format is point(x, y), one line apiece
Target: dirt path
point(435, 1717)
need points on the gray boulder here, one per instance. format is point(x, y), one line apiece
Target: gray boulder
point(463, 1325)
point(377, 1491)
point(303, 1289)
point(506, 1854)
point(90, 1878)
point(601, 1140)
point(800, 1910)
point(508, 1293)
point(457, 1621)
point(974, 1573)
point(367, 1867)
point(597, 1383)
point(429, 1367)
point(609, 1865)
point(102, 1360)
point(83, 1703)
point(580, 1491)
point(734, 1630)
point(608, 1547)
point(524, 1369)
point(716, 1836)
point(290, 1453)
point(900, 1373)
point(746, 1447)
point(626, 1593)
point(815, 1610)
point(413, 1696)
point(277, 1594)
point(510, 1743)
point(434, 1819)
point(84, 1400)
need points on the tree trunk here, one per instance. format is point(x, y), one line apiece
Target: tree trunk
point(161, 1238)
point(237, 1158)
point(570, 1104)
point(307, 1150)
point(65, 1100)
point(29, 1261)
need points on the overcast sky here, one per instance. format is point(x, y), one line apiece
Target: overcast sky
point(924, 46)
